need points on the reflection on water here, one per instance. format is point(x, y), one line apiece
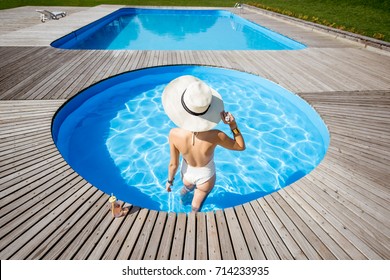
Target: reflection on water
point(176, 26)
point(102, 39)
point(182, 30)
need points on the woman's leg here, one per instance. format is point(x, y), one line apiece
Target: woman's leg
point(201, 193)
point(188, 187)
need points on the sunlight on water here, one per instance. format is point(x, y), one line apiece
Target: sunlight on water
point(116, 138)
point(281, 144)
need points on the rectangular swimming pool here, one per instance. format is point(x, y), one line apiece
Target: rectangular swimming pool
point(170, 29)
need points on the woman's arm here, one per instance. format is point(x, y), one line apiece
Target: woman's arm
point(238, 142)
point(173, 163)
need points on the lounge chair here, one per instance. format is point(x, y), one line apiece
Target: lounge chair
point(45, 14)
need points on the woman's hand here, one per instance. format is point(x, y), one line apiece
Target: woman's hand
point(168, 187)
point(237, 143)
point(228, 118)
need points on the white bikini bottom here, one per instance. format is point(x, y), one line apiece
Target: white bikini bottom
point(197, 175)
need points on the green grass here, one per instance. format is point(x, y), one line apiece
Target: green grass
point(366, 17)
point(5, 4)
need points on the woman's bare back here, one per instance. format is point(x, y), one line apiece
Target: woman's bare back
point(197, 148)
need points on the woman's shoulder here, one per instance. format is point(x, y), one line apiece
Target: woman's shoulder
point(179, 133)
point(215, 135)
point(178, 130)
point(216, 132)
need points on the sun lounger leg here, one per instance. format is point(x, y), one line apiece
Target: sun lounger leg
point(43, 18)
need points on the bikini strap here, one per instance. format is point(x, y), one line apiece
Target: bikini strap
point(193, 137)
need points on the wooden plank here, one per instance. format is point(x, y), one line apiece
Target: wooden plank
point(190, 241)
point(375, 175)
point(361, 232)
point(166, 240)
point(23, 89)
point(24, 177)
point(103, 221)
point(371, 175)
point(318, 238)
point(31, 202)
point(288, 240)
point(299, 237)
point(380, 156)
point(22, 130)
point(27, 219)
point(154, 243)
point(368, 138)
point(28, 160)
point(249, 235)
point(126, 61)
point(141, 62)
point(124, 242)
point(178, 237)
point(278, 243)
point(214, 250)
point(56, 240)
point(224, 236)
point(109, 241)
point(370, 208)
point(340, 246)
point(361, 163)
point(201, 234)
point(20, 237)
point(116, 58)
point(75, 238)
point(265, 242)
point(22, 191)
point(349, 237)
point(12, 56)
point(240, 246)
point(143, 239)
point(135, 223)
point(29, 67)
point(132, 64)
point(16, 145)
point(376, 194)
point(19, 156)
point(81, 69)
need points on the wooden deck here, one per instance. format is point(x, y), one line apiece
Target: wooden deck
point(339, 211)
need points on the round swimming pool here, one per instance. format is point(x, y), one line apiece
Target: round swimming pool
point(114, 134)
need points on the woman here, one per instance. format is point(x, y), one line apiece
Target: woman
point(196, 108)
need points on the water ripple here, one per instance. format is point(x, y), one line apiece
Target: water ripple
point(280, 142)
point(118, 140)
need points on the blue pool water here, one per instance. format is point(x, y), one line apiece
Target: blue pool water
point(114, 134)
point(165, 29)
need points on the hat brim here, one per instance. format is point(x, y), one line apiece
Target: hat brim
point(171, 99)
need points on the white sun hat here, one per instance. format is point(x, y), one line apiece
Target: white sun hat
point(191, 104)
